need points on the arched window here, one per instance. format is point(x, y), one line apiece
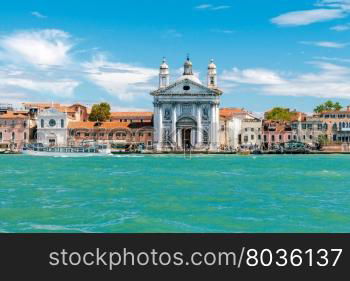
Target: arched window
point(42, 123)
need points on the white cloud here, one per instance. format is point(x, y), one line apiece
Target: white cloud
point(37, 62)
point(330, 81)
point(307, 17)
point(341, 27)
point(212, 7)
point(325, 44)
point(222, 7)
point(204, 6)
point(344, 60)
point(224, 31)
point(257, 76)
point(39, 48)
point(122, 80)
point(173, 33)
point(38, 15)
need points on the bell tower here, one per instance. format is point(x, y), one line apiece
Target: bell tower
point(212, 75)
point(164, 74)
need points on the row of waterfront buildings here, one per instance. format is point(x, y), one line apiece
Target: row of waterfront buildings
point(186, 114)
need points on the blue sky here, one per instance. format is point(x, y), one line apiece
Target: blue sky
point(268, 53)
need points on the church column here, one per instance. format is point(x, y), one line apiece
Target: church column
point(160, 127)
point(179, 136)
point(218, 129)
point(174, 123)
point(212, 126)
point(199, 125)
point(156, 123)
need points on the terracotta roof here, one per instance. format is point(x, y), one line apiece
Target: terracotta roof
point(336, 112)
point(58, 106)
point(130, 115)
point(229, 112)
point(40, 105)
point(92, 125)
point(106, 125)
point(14, 115)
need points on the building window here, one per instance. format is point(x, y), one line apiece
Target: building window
point(78, 134)
point(310, 137)
point(252, 137)
point(102, 134)
point(245, 138)
point(289, 137)
point(222, 127)
point(265, 138)
point(141, 134)
point(87, 134)
point(319, 126)
point(42, 123)
point(259, 137)
point(0, 136)
point(304, 137)
point(309, 126)
point(273, 138)
point(149, 134)
point(295, 137)
point(252, 129)
point(25, 124)
point(13, 136)
point(110, 135)
point(25, 136)
point(303, 126)
point(280, 137)
point(62, 123)
point(149, 143)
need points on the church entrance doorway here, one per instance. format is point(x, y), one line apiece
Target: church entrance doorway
point(186, 142)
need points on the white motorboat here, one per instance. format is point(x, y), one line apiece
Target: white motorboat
point(67, 151)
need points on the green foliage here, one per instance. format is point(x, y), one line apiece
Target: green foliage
point(323, 140)
point(328, 106)
point(100, 112)
point(279, 114)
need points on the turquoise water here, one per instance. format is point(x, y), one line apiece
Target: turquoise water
point(215, 193)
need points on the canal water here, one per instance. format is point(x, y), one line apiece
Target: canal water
point(164, 193)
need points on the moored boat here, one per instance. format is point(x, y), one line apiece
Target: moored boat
point(41, 150)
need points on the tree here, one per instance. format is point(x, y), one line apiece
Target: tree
point(100, 112)
point(328, 106)
point(280, 114)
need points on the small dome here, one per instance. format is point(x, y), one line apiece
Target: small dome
point(164, 65)
point(212, 65)
point(188, 62)
point(189, 77)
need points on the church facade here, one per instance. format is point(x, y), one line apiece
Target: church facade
point(186, 112)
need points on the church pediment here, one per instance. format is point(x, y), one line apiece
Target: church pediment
point(186, 87)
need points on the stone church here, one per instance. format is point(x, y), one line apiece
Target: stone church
point(186, 112)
